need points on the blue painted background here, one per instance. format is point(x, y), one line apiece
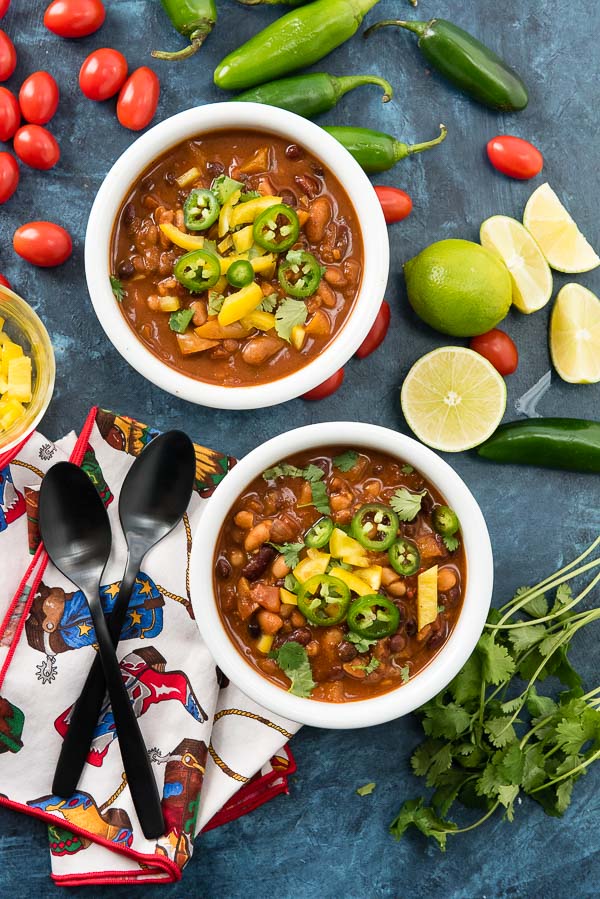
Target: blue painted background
point(323, 840)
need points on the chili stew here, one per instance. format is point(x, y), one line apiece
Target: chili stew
point(236, 258)
point(340, 574)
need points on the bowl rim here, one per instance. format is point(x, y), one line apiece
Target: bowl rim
point(450, 658)
point(36, 332)
point(218, 117)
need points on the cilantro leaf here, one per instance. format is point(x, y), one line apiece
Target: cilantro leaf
point(448, 720)
point(290, 551)
point(224, 187)
point(500, 731)
point(320, 497)
point(346, 460)
point(268, 304)
point(497, 663)
point(466, 686)
point(215, 302)
point(366, 790)
point(405, 674)
point(415, 813)
point(116, 285)
point(407, 469)
point(179, 321)
point(362, 643)
point(313, 473)
point(406, 504)
point(283, 470)
point(523, 638)
point(249, 195)
point(537, 607)
point(451, 543)
point(289, 314)
point(293, 660)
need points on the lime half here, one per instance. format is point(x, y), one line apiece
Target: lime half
point(560, 240)
point(529, 271)
point(453, 399)
point(575, 335)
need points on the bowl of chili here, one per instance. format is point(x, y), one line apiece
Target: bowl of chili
point(359, 548)
point(236, 255)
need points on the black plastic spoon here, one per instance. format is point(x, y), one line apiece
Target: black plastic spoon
point(154, 496)
point(76, 532)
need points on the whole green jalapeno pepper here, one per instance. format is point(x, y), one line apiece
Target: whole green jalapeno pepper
point(298, 39)
point(572, 444)
point(310, 95)
point(273, 2)
point(194, 19)
point(375, 151)
point(466, 62)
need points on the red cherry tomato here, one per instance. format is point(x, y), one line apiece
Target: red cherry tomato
point(9, 176)
point(4, 4)
point(74, 18)
point(35, 146)
point(38, 98)
point(498, 348)
point(138, 99)
point(8, 56)
point(326, 388)
point(376, 335)
point(515, 157)
point(396, 204)
point(5, 282)
point(43, 243)
point(10, 114)
point(103, 74)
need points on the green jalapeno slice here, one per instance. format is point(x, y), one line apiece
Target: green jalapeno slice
point(324, 600)
point(277, 228)
point(299, 274)
point(200, 210)
point(198, 270)
point(404, 557)
point(375, 526)
point(373, 616)
point(240, 273)
point(318, 535)
point(445, 521)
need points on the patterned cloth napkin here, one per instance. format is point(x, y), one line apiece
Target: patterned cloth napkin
point(205, 738)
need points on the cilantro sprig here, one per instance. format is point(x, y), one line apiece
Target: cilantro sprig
point(346, 460)
point(491, 735)
point(290, 551)
point(312, 473)
point(116, 285)
point(407, 505)
point(293, 660)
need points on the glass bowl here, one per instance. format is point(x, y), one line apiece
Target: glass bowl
point(24, 327)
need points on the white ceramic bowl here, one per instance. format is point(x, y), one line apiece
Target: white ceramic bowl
point(449, 659)
point(205, 120)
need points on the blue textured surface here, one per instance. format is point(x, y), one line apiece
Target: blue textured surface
point(325, 841)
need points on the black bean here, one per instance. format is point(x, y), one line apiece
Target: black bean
point(170, 178)
point(427, 503)
point(411, 627)
point(215, 168)
point(301, 635)
point(125, 269)
point(436, 639)
point(258, 563)
point(294, 152)
point(347, 651)
point(336, 673)
point(253, 629)
point(288, 197)
point(378, 469)
point(452, 596)
point(128, 213)
point(397, 643)
point(223, 568)
point(317, 169)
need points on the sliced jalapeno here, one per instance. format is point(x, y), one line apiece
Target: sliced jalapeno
point(404, 557)
point(299, 274)
point(198, 270)
point(200, 210)
point(277, 228)
point(445, 521)
point(373, 616)
point(375, 526)
point(318, 535)
point(324, 600)
point(240, 273)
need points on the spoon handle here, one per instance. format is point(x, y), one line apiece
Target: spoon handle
point(86, 710)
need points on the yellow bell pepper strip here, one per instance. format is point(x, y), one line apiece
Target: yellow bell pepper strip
point(372, 576)
point(212, 330)
point(225, 244)
point(265, 643)
point(169, 304)
point(287, 597)
point(10, 351)
point(319, 324)
point(188, 177)
point(247, 212)
point(260, 264)
point(352, 581)
point(264, 321)
point(347, 549)
point(19, 379)
point(240, 303)
point(298, 336)
point(185, 241)
point(226, 212)
point(427, 597)
point(10, 412)
point(243, 239)
point(309, 567)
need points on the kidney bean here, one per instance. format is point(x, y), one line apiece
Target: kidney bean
point(397, 643)
point(410, 627)
point(128, 214)
point(437, 638)
point(223, 568)
point(259, 563)
point(294, 152)
point(347, 651)
point(288, 197)
point(259, 349)
point(215, 168)
point(320, 214)
point(125, 269)
point(310, 186)
point(452, 596)
point(336, 672)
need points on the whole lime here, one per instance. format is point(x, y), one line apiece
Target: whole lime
point(458, 287)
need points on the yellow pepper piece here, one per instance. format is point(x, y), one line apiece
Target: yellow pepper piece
point(226, 211)
point(260, 264)
point(188, 177)
point(348, 549)
point(372, 576)
point(212, 330)
point(10, 351)
point(309, 567)
point(185, 241)
point(427, 597)
point(247, 212)
point(243, 239)
point(265, 643)
point(169, 304)
point(352, 581)
point(1, 322)
point(264, 321)
point(19, 378)
point(10, 412)
point(298, 336)
point(225, 244)
point(287, 597)
point(239, 304)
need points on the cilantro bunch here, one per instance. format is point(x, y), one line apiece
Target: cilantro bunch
point(490, 735)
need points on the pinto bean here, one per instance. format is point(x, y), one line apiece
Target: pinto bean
point(279, 568)
point(230, 346)
point(153, 302)
point(151, 259)
point(237, 557)
point(397, 588)
point(269, 622)
point(258, 563)
point(334, 276)
point(352, 271)
point(259, 534)
point(258, 349)
point(340, 501)
point(200, 313)
point(326, 294)
point(342, 516)
point(313, 648)
point(244, 519)
point(269, 666)
point(297, 618)
point(286, 610)
point(446, 579)
point(320, 214)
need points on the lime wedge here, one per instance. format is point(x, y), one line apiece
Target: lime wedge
point(453, 399)
point(530, 273)
point(575, 335)
point(560, 240)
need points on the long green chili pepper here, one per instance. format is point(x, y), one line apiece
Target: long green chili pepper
point(298, 39)
point(273, 2)
point(466, 62)
point(572, 444)
point(194, 19)
point(375, 151)
point(310, 95)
